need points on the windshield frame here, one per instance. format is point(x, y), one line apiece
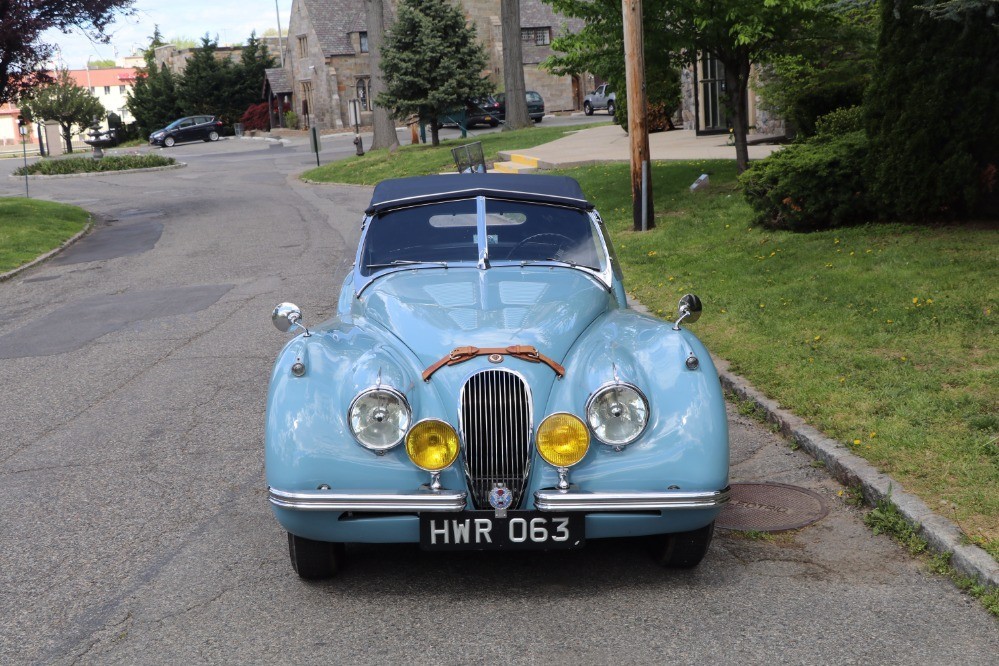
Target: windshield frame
point(603, 274)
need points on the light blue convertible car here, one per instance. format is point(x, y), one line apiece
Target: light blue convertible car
point(484, 385)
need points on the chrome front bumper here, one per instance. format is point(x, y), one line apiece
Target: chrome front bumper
point(359, 500)
point(576, 500)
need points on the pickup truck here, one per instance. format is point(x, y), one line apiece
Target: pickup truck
point(601, 98)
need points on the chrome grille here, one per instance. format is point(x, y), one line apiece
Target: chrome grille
point(495, 419)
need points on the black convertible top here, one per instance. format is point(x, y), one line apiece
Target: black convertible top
point(398, 192)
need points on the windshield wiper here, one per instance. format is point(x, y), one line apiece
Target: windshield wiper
point(406, 262)
point(570, 262)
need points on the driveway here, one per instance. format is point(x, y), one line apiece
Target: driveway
point(135, 526)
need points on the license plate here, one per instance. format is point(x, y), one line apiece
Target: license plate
point(519, 530)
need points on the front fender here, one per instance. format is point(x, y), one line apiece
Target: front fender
point(685, 445)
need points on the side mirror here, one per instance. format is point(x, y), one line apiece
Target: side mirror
point(287, 316)
point(688, 309)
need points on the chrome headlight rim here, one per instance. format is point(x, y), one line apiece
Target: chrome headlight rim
point(395, 393)
point(603, 388)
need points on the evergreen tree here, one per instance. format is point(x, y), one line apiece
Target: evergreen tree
point(153, 100)
point(210, 85)
point(432, 62)
point(931, 113)
point(66, 103)
point(254, 60)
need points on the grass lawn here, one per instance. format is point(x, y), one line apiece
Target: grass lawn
point(30, 227)
point(423, 159)
point(884, 337)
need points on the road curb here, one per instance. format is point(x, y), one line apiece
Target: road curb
point(51, 253)
point(942, 534)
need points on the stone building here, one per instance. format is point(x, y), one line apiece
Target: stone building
point(328, 63)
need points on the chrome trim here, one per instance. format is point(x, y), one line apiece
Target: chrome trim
point(386, 389)
point(500, 458)
point(612, 384)
point(362, 500)
point(669, 500)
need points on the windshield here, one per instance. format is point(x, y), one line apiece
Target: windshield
point(448, 233)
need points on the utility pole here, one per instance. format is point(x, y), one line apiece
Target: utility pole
point(638, 125)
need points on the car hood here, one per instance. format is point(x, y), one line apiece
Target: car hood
point(434, 311)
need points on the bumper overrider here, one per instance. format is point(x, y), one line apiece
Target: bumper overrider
point(454, 500)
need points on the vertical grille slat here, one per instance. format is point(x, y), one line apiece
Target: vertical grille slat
point(495, 418)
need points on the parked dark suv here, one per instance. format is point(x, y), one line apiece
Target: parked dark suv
point(191, 128)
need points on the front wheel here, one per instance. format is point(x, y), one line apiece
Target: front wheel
point(494, 123)
point(538, 119)
point(610, 108)
point(683, 550)
point(587, 108)
point(314, 560)
point(213, 136)
point(169, 141)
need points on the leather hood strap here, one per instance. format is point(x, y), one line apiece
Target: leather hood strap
point(523, 352)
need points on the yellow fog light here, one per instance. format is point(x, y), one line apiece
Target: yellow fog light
point(432, 445)
point(563, 440)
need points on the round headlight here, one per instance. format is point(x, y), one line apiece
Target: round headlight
point(379, 418)
point(432, 445)
point(562, 440)
point(617, 413)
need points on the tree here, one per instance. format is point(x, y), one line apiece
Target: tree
point(64, 102)
point(432, 62)
point(599, 49)
point(831, 71)
point(254, 60)
point(211, 85)
point(931, 113)
point(513, 67)
point(22, 23)
point(153, 100)
point(384, 128)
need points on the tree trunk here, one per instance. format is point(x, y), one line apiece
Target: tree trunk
point(736, 86)
point(434, 138)
point(384, 127)
point(513, 67)
point(67, 135)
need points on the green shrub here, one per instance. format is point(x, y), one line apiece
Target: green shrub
point(817, 184)
point(840, 122)
point(291, 120)
point(90, 165)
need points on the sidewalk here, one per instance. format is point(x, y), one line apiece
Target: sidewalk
point(609, 143)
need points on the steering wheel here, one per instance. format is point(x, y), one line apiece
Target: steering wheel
point(560, 240)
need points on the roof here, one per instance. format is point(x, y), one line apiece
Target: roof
point(279, 80)
point(522, 187)
point(335, 20)
point(110, 76)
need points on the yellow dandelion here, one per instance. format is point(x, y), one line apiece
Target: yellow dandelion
point(915, 300)
point(652, 253)
point(817, 338)
point(856, 442)
point(763, 305)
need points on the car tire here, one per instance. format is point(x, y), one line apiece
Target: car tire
point(314, 560)
point(587, 108)
point(168, 142)
point(213, 136)
point(610, 108)
point(493, 123)
point(683, 550)
point(539, 119)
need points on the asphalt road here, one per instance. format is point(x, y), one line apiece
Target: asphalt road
point(135, 530)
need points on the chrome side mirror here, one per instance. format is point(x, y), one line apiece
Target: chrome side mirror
point(689, 309)
point(287, 316)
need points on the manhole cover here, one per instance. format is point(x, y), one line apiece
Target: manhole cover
point(770, 507)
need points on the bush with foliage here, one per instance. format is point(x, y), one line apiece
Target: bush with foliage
point(815, 184)
point(256, 117)
point(291, 119)
point(931, 113)
point(70, 165)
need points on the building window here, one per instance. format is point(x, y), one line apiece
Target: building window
point(91, 90)
point(364, 42)
point(536, 36)
point(107, 90)
point(121, 89)
point(362, 93)
point(303, 46)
